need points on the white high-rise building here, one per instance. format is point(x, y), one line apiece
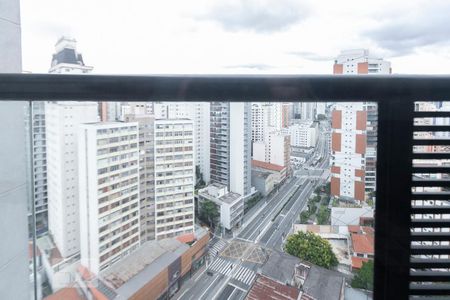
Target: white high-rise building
point(279, 115)
point(174, 177)
point(39, 152)
point(231, 146)
point(66, 58)
point(199, 113)
point(146, 173)
point(303, 134)
point(308, 111)
point(109, 192)
point(62, 122)
point(260, 120)
point(354, 131)
point(275, 149)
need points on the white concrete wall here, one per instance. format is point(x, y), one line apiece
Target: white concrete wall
point(63, 120)
point(237, 139)
point(14, 184)
point(259, 151)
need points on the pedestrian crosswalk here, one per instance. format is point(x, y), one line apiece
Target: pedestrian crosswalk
point(227, 268)
point(217, 247)
point(244, 275)
point(222, 266)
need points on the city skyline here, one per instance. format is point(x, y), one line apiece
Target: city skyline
point(275, 38)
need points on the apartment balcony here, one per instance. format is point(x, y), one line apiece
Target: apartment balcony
point(405, 255)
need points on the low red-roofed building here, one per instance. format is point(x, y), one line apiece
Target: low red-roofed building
point(362, 245)
point(354, 229)
point(280, 171)
point(186, 238)
point(266, 288)
point(357, 262)
point(68, 293)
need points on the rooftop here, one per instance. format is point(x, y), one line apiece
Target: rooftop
point(319, 283)
point(260, 174)
point(323, 284)
point(67, 293)
point(358, 261)
point(363, 243)
point(266, 165)
point(280, 266)
point(220, 189)
point(349, 215)
point(266, 288)
point(131, 273)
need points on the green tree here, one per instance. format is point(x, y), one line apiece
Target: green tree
point(323, 215)
point(328, 188)
point(304, 216)
point(364, 277)
point(208, 212)
point(312, 248)
point(312, 208)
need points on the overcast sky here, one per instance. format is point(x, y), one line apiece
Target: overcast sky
point(228, 36)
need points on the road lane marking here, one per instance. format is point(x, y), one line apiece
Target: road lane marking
point(237, 287)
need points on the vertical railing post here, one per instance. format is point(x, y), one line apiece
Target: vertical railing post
point(393, 198)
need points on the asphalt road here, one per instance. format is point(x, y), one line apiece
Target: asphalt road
point(267, 224)
point(264, 217)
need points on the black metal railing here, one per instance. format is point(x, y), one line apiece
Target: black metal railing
point(402, 268)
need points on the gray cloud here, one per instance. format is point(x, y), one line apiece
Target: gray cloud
point(311, 56)
point(258, 16)
point(260, 67)
point(404, 35)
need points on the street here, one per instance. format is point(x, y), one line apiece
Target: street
point(233, 264)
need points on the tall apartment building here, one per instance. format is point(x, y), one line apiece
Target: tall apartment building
point(260, 120)
point(231, 146)
point(307, 111)
point(303, 134)
point(39, 165)
point(174, 177)
point(146, 125)
point(62, 122)
point(65, 60)
point(199, 113)
point(110, 111)
point(354, 131)
point(108, 192)
point(275, 149)
point(136, 108)
point(280, 115)
point(14, 179)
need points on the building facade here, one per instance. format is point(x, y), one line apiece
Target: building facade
point(303, 134)
point(39, 157)
point(61, 129)
point(260, 120)
point(108, 192)
point(174, 177)
point(146, 174)
point(275, 149)
point(354, 131)
point(199, 113)
point(231, 146)
point(229, 205)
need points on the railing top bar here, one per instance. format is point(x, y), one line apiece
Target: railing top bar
point(224, 87)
